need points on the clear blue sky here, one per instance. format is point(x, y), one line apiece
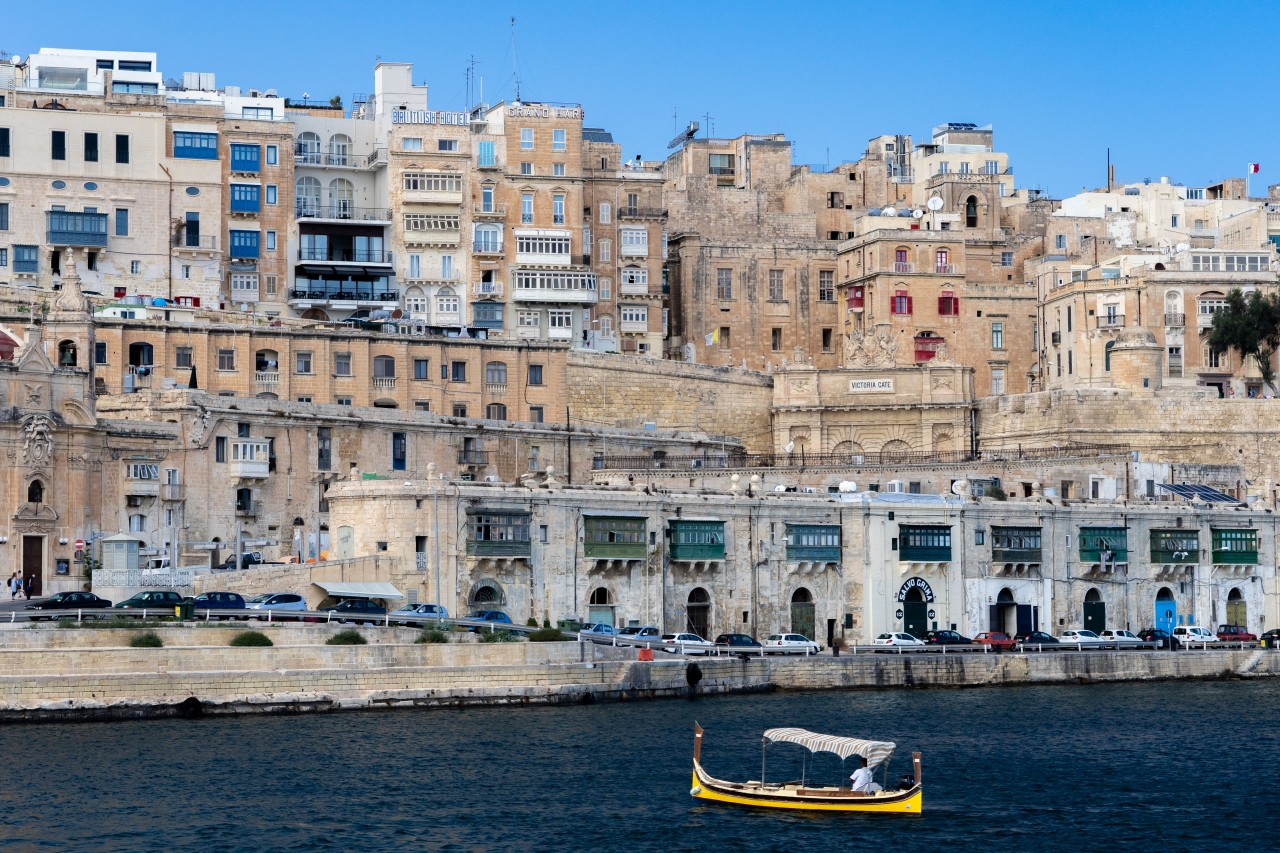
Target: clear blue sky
point(1175, 89)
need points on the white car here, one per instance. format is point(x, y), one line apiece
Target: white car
point(687, 644)
point(1081, 638)
point(1120, 639)
point(786, 644)
point(897, 638)
point(1193, 635)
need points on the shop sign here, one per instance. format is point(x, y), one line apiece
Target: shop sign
point(916, 583)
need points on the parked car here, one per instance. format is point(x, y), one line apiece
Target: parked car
point(743, 644)
point(496, 616)
point(247, 559)
point(1081, 638)
point(1235, 634)
point(1192, 635)
point(598, 630)
point(641, 633)
point(686, 644)
point(1155, 635)
point(220, 601)
point(945, 638)
point(1121, 639)
point(68, 601)
point(1036, 638)
point(277, 602)
point(418, 614)
point(995, 639)
point(152, 600)
point(356, 610)
point(1272, 638)
point(896, 638)
point(791, 644)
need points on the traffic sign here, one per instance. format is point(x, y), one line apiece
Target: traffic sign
point(79, 544)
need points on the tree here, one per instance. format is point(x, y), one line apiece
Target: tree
point(336, 102)
point(1250, 325)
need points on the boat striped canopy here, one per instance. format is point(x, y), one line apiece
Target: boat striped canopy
point(875, 751)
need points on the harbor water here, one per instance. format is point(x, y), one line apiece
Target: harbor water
point(1062, 768)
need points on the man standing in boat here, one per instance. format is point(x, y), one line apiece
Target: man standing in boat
point(862, 780)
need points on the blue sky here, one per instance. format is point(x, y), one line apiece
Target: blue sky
point(1173, 89)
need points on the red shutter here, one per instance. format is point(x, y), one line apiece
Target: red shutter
point(909, 305)
point(955, 305)
point(944, 305)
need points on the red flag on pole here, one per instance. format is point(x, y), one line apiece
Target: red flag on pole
point(1253, 168)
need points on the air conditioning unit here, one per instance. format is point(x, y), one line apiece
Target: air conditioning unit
point(696, 463)
point(809, 490)
point(897, 487)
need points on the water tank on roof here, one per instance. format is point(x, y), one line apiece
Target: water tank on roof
point(875, 211)
point(159, 302)
point(131, 300)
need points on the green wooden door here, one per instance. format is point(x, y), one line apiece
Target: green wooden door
point(1095, 616)
point(915, 618)
point(802, 618)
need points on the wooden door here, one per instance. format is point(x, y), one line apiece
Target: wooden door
point(915, 616)
point(802, 618)
point(1095, 616)
point(33, 563)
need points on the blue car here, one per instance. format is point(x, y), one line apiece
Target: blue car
point(496, 616)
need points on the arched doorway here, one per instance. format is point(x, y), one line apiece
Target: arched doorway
point(600, 607)
point(1095, 611)
point(315, 314)
point(915, 613)
point(1005, 613)
point(802, 613)
point(486, 594)
point(1237, 609)
point(215, 553)
point(1166, 610)
point(698, 613)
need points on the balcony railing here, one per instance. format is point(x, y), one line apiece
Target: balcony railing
point(249, 509)
point(303, 156)
point(721, 170)
point(356, 256)
point(487, 247)
point(641, 212)
point(345, 295)
point(76, 229)
point(377, 157)
point(1175, 321)
point(944, 269)
point(384, 383)
point(1110, 321)
point(491, 209)
point(315, 210)
point(195, 241)
point(173, 492)
point(266, 377)
point(497, 388)
point(473, 457)
point(488, 289)
point(1204, 320)
point(907, 177)
point(903, 266)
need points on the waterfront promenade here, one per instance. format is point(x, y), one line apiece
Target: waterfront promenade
point(49, 674)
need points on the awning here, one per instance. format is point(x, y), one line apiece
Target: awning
point(349, 589)
point(875, 751)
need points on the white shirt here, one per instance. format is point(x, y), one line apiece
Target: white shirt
point(861, 779)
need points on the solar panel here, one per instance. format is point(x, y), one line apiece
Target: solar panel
point(1204, 493)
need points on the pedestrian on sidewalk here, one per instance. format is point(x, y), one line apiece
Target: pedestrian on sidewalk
point(13, 586)
point(27, 587)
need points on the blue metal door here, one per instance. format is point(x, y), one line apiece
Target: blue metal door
point(1166, 614)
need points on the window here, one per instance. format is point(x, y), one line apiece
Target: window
point(1006, 259)
point(724, 284)
point(775, 286)
point(431, 221)
point(944, 168)
point(58, 145)
point(948, 305)
point(557, 210)
point(226, 359)
point(459, 410)
point(399, 451)
point(535, 414)
point(4, 216)
point(245, 158)
point(4, 137)
point(1069, 316)
point(195, 146)
point(446, 145)
point(557, 169)
point(720, 164)
point(420, 368)
point(182, 356)
point(244, 244)
point(324, 446)
point(447, 302)
point(526, 168)
point(411, 143)
point(431, 182)
point(384, 367)
point(422, 405)
point(828, 335)
point(485, 153)
point(99, 352)
point(91, 147)
point(137, 524)
point(528, 320)
point(558, 319)
point(557, 140)
point(495, 412)
point(4, 257)
point(271, 193)
point(526, 208)
point(135, 267)
point(1060, 241)
point(220, 449)
point(1070, 362)
point(273, 157)
point(991, 167)
point(997, 335)
point(901, 303)
point(606, 249)
point(495, 373)
point(606, 213)
point(458, 371)
point(303, 362)
point(637, 314)
point(635, 241)
point(826, 285)
point(775, 340)
point(122, 222)
point(342, 364)
point(526, 138)
point(122, 148)
point(997, 381)
point(271, 241)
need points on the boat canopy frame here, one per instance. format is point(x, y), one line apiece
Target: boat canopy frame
point(876, 752)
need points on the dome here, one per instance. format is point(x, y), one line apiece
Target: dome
point(1133, 337)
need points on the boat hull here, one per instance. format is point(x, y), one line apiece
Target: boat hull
point(715, 790)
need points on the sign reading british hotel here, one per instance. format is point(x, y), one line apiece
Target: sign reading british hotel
point(870, 386)
point(429, 117)
point(540, 111)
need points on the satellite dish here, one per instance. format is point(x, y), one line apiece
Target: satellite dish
point(917, 213)
point(960, 487)
point(1182, 247)
point(779, 488)
point(847, 486)
point(17, 60)
point(889, 211)
point(934, 203)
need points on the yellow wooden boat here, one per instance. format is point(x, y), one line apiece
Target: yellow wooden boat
point(800, 796)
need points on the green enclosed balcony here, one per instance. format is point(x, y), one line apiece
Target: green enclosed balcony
point(614, 538)
point(1016, 545)
point(1175, 546)
point(928, 543)
point(76, 229)
point(813, 543)
point(498, 534)
point(696, 540)
point(1235, 547)
point(1095, 540)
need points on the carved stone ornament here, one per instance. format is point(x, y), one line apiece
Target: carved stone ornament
point(876, 349)
point(199, 427)
point(70, 299)
point(37, 442)
point(34, 394)
point(942, 359)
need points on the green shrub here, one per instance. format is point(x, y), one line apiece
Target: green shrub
point(435, 635)
point(349, 637)
point(546, 623)
point(532, 623)
point(147, 640)
point(503, 636)
point(547, 635)
point(251, 638)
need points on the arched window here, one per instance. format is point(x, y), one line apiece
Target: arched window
point(971, 212)
point(488, 238)
point(35, 492)
point(342, 195)
point(384, 367)
point(801, 596)
point(600, 595)
point(495, 373)
point(339, 150)
point(447, 302)
point(416, 302)
point(67, 354)
point(496, 412)
point(484, 595)
point(307, 194)
point(1093, 595)
point(1108, 347)
point(307, 149)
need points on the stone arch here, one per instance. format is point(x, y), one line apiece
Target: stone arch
point(895, 449)
point(35, 491)
point(487, 591)
point(971, 212)
point(316, 314)
point(600, 595)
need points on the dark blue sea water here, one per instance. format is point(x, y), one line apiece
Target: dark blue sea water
point(1178, 767)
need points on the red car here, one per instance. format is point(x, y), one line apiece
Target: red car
point(995, 639)
point(1235, 634)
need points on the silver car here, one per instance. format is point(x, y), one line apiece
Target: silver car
point(276, 602)
point(419, 614)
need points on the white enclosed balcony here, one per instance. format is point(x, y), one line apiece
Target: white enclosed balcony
point(250, 458)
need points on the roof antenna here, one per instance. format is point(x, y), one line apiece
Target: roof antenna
point(515, 65)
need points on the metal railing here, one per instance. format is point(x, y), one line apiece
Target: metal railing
point(721, 170)
point(356, 256)
point(346, 295)
point(377, 157)
point(252, 509)
point(473, 457)
point(944, 269)
point(1175, 321)
point(1110, 321)
point(497, 208)
point(487, 247)
point(903, 266)
point(173, 492)
point(641, 212)
point(189, 241)
point(315, 210)
point(488, 289)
